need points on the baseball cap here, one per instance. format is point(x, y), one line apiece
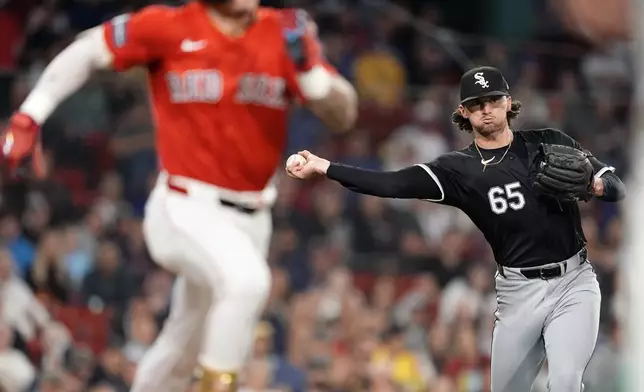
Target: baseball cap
point(483, 81)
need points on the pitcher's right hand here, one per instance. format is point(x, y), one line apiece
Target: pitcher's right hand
point(309, 167)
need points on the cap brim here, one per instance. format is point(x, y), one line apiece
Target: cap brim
point(488, 94)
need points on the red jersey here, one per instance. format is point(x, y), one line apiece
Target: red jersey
point(220, 102)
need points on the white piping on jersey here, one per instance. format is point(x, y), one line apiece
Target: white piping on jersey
point(433, 176)
point(604, 170)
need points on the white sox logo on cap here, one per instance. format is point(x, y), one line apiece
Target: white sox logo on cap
point(481, 80)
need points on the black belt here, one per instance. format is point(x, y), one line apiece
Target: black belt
point(226, 203)
point(551, 271)
point(545, 273)
point(238, 207)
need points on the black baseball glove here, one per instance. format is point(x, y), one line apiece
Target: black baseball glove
point(563, 172)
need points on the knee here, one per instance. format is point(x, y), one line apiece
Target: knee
point(252, 285)
point(565, 380)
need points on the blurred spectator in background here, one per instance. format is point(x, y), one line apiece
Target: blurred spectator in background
point(395, 361)
point(110, 369)
point(19, 307)
point(108, 284)
point(21, 249)
point(49, 274)
point(281, 373)
point(379, 78)
point(467, 366)
point(16, 371)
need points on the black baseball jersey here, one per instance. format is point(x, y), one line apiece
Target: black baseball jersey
point(523, 228)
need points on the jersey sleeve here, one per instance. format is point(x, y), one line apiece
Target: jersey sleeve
point(444, 172)
point(408, 183)
point(138, 38)
point(601, 168)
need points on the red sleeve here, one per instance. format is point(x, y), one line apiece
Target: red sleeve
point(138, 38)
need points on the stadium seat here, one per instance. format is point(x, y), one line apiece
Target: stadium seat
point(73, 179)
point(85, 325)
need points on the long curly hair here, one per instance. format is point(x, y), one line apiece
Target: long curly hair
point(464, 124)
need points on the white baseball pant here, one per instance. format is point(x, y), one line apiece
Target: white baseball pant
point(219, 255)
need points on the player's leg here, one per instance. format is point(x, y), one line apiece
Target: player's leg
point(517, 344)
point(227, 259)
point(241, 298)
point(171, 361)
point(570, 332)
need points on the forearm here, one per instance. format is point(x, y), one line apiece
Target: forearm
point(609, 187)
point(409, 183)
point(334, 101)
point(67, 73)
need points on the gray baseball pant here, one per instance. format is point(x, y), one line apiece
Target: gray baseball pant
point(535, 318)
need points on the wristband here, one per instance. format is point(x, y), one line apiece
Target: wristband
point(315, 83)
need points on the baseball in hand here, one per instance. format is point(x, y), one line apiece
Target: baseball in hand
point(305, 165)
point(294, 161)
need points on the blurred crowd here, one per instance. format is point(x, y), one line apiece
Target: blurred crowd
point(368, 294)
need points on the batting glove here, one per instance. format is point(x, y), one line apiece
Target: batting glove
point(20, 144)
point(303, 46)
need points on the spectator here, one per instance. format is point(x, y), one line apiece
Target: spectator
point(420, 295)
point(472, 294)
point(281, 373)
point(451, 262)
point(52, 382)
point(326, 218)
point(109, 203)
point(467, 366)
point(358, 151)
point(103, 387)
point(16, 372)
point(49, 273)
point(392, 360)
point(380, 78)
point(130, 236)
point(439, 340)
point(108, 284)
point(376, 226)
point(88, 231)
point(413, 143)
point(19, 308)
point(22, 250)
point(56, 344)
point(140, 334)
point(157, 293)
point(110, 368)
point(383, 294)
